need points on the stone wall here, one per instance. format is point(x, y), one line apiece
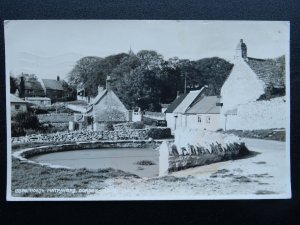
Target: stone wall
point(89, 135)
point(30, 152)
point(196, 148)
point(259, 115)
point(83, 135)
point(55, 118)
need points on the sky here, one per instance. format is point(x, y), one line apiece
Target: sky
point(49, 48)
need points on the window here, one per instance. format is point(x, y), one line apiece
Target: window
point(208, 119)
point(17, 107)
point(199, 119)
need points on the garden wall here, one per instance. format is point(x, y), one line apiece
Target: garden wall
point(55, 118)
point(259, 115)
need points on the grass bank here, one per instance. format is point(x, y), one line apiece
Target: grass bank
point(268, 134)
point(33, 180)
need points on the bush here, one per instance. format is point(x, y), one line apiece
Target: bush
point(109, 126)
point(26, 120)
point(138, 125)
point(159, 133)
point(24, 123)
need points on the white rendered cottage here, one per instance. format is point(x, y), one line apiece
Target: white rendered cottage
point(250, 80)
point(175, 113)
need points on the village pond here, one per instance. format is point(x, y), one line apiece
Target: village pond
point(140, 161)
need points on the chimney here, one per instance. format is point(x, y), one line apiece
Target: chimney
point(100, 89)
point(58, 78)
point(22, 87)
point(108, 83)
point(243, 49)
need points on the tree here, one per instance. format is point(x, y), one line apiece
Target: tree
point(13, 85)
point(85, 73)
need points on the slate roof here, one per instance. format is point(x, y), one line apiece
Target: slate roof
point(269, 71)
point(191, 97)
point(15, 99)
point(175, 103)
point(206, 105)
point(53, 84)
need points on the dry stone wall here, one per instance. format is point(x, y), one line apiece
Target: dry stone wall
point(196, 148)
point(87, 135)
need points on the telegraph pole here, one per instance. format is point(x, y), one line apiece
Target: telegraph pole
point(185, 83)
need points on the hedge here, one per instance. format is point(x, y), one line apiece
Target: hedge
point(159, 133)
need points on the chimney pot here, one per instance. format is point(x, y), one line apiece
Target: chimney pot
point(108, 83)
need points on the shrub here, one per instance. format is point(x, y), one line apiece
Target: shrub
point(109, 126)
point(138, 125)
point(26, 120)
point(145, 163)
point(159, 133)
point(24, 123)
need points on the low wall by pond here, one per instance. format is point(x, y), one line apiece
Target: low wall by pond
point(30, 152)
point(197, 148)
point(87, 135)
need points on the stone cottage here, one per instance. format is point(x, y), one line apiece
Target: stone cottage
point(53, 89)
point(30, 88)
point(107, 108)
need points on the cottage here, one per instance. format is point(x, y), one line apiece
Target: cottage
point(107, 108)
point(53, 89)
point(250, 82)
point(175, 113)
point(30, 88)
point(17, 105)
point(205, 114)
point(251, 79)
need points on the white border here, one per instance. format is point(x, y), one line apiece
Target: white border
point(287, 195)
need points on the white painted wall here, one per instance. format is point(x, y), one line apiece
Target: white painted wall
point(259, 115)
point(241, 86)
point(211, 122)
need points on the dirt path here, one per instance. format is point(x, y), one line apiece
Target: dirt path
point(264, 174)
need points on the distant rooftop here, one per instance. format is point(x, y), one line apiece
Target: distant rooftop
point(53, 84)
point(15, 99)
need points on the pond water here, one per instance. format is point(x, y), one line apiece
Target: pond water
point(118, 158)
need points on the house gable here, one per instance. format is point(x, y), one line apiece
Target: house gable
point(241, 86)
point(109, 108)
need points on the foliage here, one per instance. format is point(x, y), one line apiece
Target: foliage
point(159, 133)
point(145, 79)
point(13, 85)
point(109, 126)
point(138, 125)
point(23, 122)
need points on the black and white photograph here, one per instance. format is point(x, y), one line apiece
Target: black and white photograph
point(147, 109)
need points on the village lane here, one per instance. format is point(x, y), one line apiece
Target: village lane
point(263, 172)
